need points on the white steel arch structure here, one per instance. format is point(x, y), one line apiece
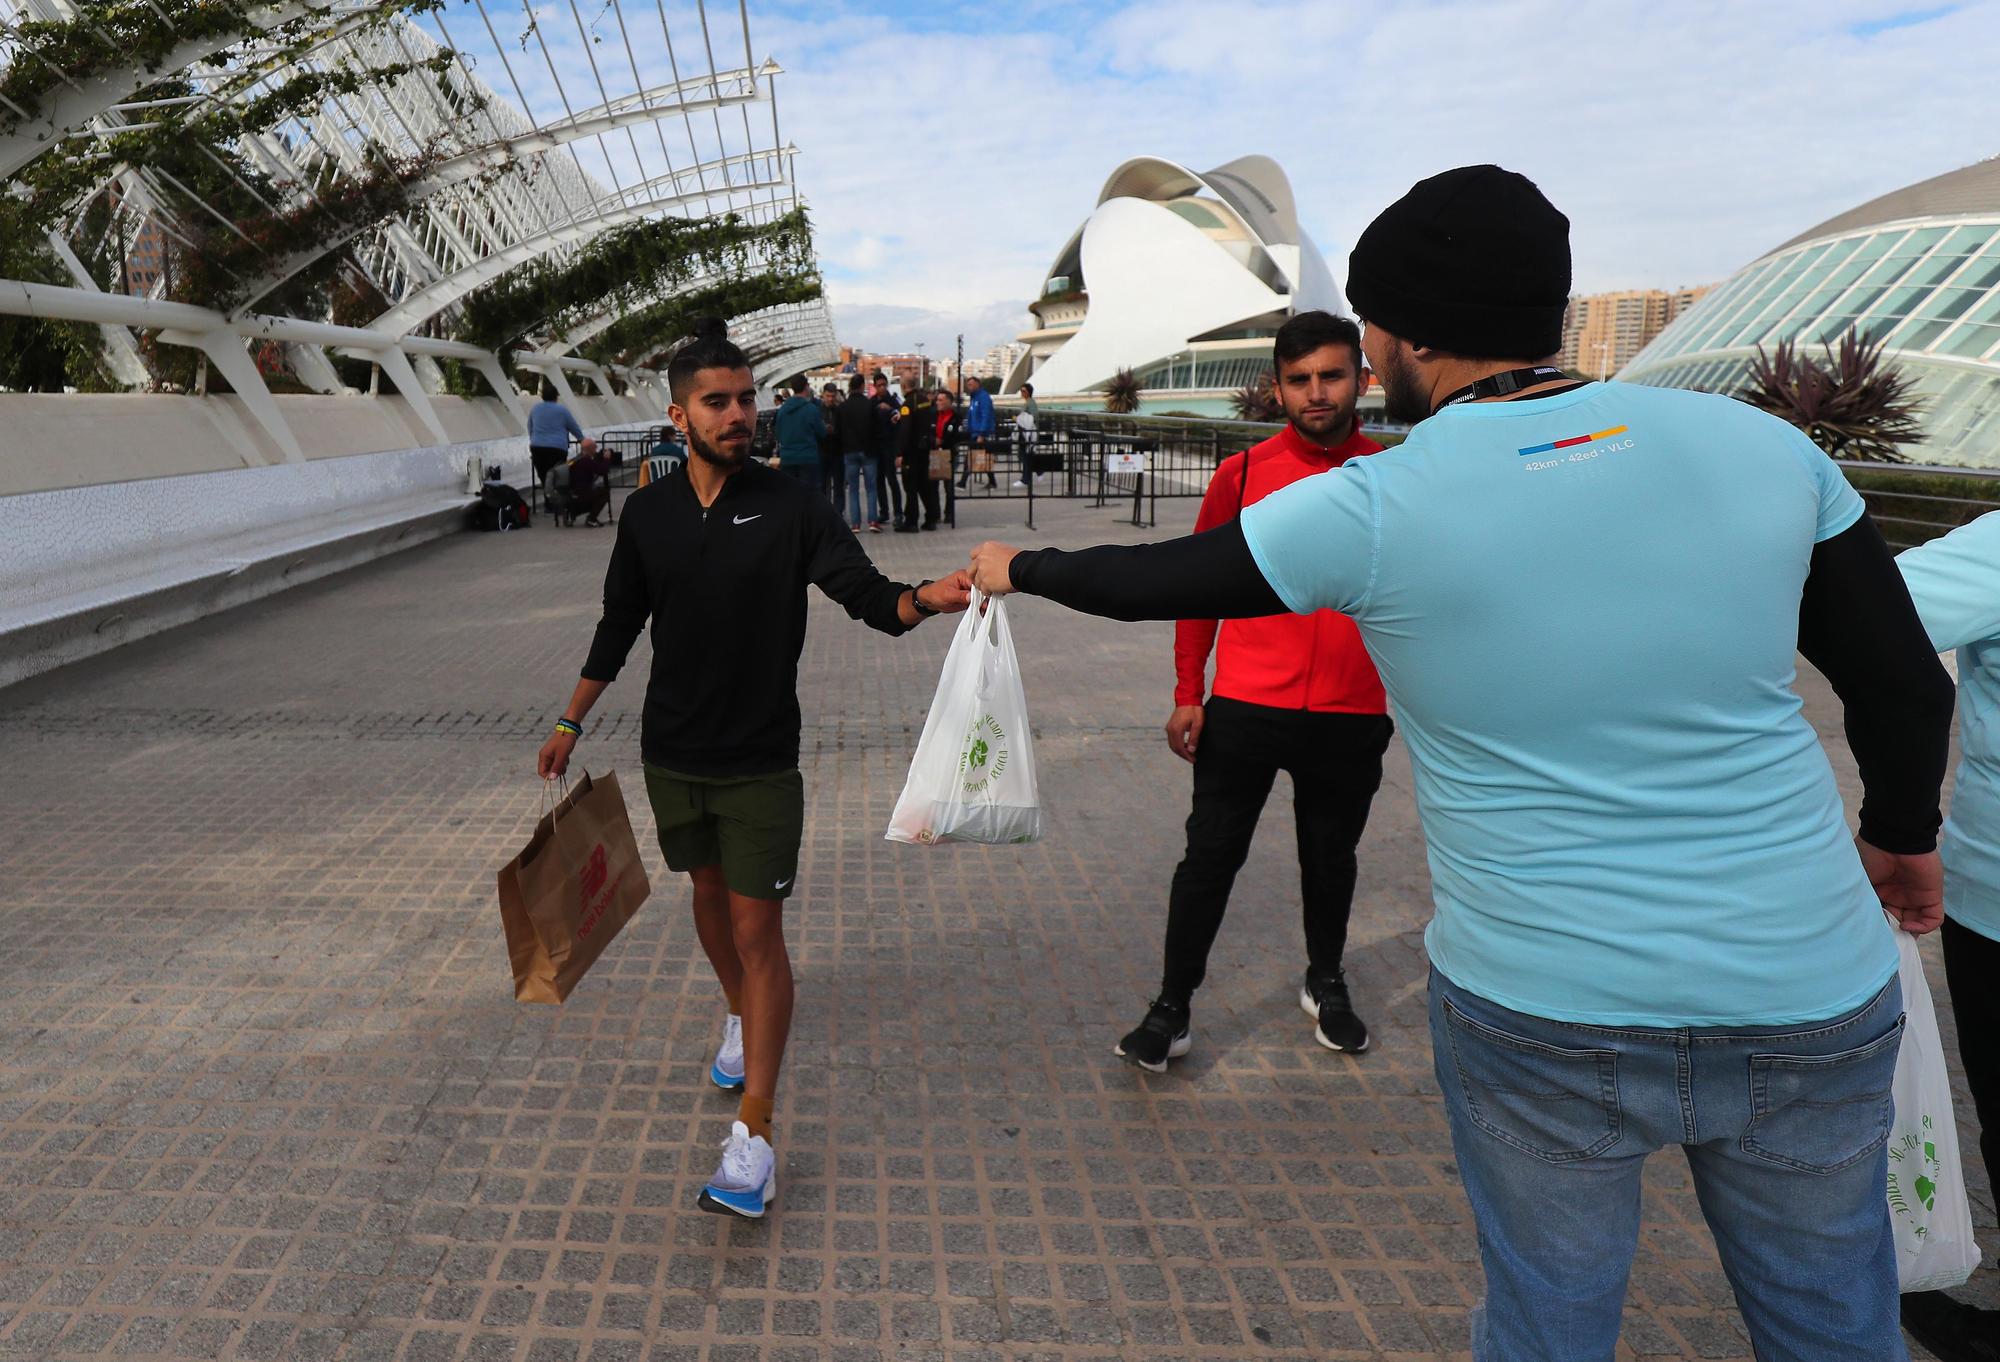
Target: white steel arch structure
point(520, 132)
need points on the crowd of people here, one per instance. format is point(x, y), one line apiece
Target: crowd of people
point(887, 457)
point(1581, 603)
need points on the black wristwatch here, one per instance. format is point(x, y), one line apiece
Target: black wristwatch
point(917, 598)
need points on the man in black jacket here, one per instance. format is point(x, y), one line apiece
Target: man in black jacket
point(854, 427)
point(888, 487)
point(718, 554)
point(916, 437)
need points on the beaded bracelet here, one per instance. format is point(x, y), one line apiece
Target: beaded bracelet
point(569, 726)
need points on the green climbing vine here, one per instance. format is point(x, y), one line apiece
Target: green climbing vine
point(643, 336)
point(627, 267)
point(145, 35)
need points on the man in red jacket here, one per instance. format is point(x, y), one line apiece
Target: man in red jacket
point(1296, 693)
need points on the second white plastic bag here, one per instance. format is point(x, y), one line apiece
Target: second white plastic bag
point(973, 777)
point(1927, 1204)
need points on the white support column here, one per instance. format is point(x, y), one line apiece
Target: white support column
point(428, 374)
point(396, 365)
point(503, 387)
point(224, 348)
point(314, 369)
point(121, 352)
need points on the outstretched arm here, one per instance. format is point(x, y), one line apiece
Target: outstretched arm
point(1209, 575)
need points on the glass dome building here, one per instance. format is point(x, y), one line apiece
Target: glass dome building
point(1918, 269)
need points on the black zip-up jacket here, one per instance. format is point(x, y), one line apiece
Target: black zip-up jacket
point(884, 446)
point(725, 588)
point(854, 422)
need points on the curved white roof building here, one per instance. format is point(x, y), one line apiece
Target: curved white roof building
point(1918, 269)
point(1179, 276)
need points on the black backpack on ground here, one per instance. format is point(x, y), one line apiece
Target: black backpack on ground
point(499, 507)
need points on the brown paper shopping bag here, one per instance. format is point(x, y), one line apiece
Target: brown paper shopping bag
point(572, 888)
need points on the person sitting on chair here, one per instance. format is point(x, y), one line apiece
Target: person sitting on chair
point(589, 483)
point(556, 495)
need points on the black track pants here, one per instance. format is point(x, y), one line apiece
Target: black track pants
point(1335, 761)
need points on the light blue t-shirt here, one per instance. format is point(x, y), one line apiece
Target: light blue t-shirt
point(1585, 610)
point(550, 425)
point(1955, 582)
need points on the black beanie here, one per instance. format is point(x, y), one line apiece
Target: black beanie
point(1474, 261)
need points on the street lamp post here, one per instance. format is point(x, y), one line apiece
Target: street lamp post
point(923, 368)
point(1603, 360)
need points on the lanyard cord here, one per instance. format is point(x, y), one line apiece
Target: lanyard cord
point(1506, 385)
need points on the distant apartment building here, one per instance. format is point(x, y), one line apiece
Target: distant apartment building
point(994, 365)
point(1602, 332)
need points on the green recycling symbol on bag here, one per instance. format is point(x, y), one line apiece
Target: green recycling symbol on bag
point(984, 756)
point(1922, 1188)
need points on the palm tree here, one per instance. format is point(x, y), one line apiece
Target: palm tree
point(1258, 401)
point(1852, 405)
point(1121, 394)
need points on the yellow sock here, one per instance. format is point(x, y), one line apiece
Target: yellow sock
point(755, 1112)
point(735, 1004)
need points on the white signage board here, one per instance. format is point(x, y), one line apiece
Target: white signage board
point(1124, 463)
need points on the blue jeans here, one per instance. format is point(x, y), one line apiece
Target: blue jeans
point(1784, 1129)
point(859, 471)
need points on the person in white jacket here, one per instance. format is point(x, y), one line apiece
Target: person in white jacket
point(1954, 582)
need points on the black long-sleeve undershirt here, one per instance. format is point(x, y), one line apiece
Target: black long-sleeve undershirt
point(1206, 576)
point(1856, 626)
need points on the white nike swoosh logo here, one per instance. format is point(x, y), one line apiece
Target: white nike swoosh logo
point(745, 520)
point(783, 883)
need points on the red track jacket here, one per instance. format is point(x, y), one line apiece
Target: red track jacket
point(1311, 661)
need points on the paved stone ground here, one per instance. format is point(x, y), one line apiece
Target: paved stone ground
point(264, 1092)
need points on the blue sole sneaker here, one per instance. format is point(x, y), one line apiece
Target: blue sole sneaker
point(749, 1204)
point(723, 1079)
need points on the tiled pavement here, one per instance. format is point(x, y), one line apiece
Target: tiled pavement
point(264, 1092)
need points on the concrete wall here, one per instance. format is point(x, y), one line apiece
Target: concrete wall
point(54, 440)
point(126, 515)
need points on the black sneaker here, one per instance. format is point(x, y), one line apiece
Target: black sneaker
point(1324, 998)
point(1164, 1035)
point(1953, 1330)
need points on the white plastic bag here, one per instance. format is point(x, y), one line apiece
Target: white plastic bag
point(1927, 1206)
point(973, 777)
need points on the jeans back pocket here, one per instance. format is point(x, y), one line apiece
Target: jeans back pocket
point(1822, 1113)
point(1557, 1104)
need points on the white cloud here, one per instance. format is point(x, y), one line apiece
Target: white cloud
point(1682, 139)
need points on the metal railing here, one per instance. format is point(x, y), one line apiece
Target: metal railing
point(1913, 503)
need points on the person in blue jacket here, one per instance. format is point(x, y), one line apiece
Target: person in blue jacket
point(801, 425)
point(1955, 584)
point(980, 428)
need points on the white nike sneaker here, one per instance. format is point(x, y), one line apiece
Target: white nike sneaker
point(727, 1070)
point(746, 1183)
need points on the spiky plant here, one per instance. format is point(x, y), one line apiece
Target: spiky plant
point(1258, 401)
point(1121, 394)
point(1851, 404)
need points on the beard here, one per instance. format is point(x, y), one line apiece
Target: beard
point(1324, 427)
point(1403, 396)
point(714, 455)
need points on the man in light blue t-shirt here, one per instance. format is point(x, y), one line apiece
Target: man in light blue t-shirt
point(1652, 925)
point(1955, 583)
point(550, 426)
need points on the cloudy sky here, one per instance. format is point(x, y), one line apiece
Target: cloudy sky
point(948, 150)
